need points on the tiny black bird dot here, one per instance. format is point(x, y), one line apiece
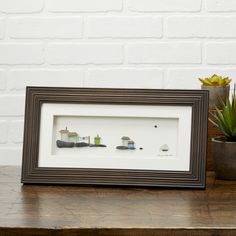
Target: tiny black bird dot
point(141, 148)
point(155, 126)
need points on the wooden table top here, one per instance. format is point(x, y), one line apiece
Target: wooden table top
point(93, 210)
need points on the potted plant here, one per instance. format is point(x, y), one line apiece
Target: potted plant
point(218, 88)
point(224, 147)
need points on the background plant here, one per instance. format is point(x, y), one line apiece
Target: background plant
point(215, 80)
point(225, 119)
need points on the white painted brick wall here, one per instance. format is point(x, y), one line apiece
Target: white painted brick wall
point(3, 133)
point(2, 28)
point(221, 5)
point(18, 79)
point(16, 131)
point(84, 53)
point(84, 5)
point(22, 6)
point(21, 53)
point(164, 5)
point(171, 52)
point(185, 78)
point(12, 105)
point(125, 77)
point(45, 27)
point(2, 80)
point(124, 27)
point(201, 27)
point(221, 53)
point(107, 43)
point(11, 155)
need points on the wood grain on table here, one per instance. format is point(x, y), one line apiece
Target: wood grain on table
point(98, 210)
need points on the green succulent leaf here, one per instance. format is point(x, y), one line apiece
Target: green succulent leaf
point(225, 119)
point(215, 80)
point(234, 132)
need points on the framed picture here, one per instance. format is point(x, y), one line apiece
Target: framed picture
point(134, 137)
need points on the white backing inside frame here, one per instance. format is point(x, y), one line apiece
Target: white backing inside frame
point(150, 127)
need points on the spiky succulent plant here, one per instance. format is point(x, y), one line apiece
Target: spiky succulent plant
point(225, 119)
point(215, 80)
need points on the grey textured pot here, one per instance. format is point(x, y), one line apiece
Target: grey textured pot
point(216, 94)
point(224, 158)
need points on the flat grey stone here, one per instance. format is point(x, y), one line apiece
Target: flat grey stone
point(122, 147)
point(99, 145)
point(62, 144)
point(81, 144)
point(164, 148)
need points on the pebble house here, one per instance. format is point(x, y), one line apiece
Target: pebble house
point(74, 137)
point(64, 135)
point(125, 141)
point(68, 136)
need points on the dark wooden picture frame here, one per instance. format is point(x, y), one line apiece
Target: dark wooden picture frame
point(194, 178)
